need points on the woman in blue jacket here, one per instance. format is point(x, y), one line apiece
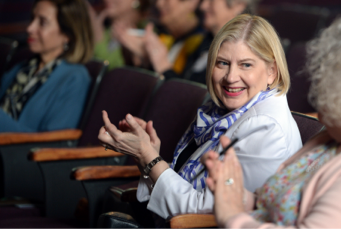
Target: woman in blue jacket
point(48, 92)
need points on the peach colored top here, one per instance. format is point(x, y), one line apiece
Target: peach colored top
point(320, 204)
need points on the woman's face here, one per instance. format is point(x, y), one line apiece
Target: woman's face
point(117, 8)
point(44, 35)
point(217, 13)
point(239, 74)
point(175, 10)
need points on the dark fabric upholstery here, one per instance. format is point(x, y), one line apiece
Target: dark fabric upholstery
point(297, 23)
point(116, 220)
point(307, 126)
point(172, 110)
point(20, 55)
point(6, 47)
point(298, 92)
point(121, 91)
point(13, 217)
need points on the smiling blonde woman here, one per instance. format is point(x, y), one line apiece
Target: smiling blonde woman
point(247, 79)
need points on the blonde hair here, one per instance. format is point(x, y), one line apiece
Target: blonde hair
point(261, 38)
point(74, 21)
point(324, 66)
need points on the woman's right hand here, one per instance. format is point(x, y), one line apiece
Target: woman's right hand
point(97, 21)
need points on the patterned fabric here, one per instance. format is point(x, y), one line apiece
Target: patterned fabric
point(26, 83)
point(280, 197)
point(211, 122)
point(191, 43)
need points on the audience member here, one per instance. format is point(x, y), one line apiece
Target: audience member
point(48, 92)
point(167, 54)
point(305, 190)
point(120, 13)
point(248, 79)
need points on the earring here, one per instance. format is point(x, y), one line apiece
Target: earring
point(66, 46)
point(268, 87)
point(135, 4)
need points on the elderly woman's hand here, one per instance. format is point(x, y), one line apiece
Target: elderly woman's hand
point(124, 126)
point(226, 182)
point(156, 50)
point(136, 142)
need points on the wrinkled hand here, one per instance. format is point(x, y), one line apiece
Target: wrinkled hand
point(136, 142)
point(131, 42)
point(156, 50)
point(124, 126)
point(228, 199)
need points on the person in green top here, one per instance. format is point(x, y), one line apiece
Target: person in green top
point(127, 12)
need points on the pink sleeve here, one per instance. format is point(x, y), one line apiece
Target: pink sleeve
point(325, 213)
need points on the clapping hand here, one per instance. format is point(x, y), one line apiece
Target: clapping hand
point(136, 142)
point(226, 182)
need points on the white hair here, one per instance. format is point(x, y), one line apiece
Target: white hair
point(324, 66)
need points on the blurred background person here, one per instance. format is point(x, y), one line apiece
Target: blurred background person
point(192, 66)
point(48, 92)
point(167, 53)
point(127, 13)
point(305, 190)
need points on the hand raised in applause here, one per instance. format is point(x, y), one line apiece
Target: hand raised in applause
point(228, 198)
point(156, 50)
point(136, 142)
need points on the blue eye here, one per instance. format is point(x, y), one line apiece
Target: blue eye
point(223, 63)
point(247, 65)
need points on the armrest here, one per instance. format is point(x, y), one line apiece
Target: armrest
point(105, 172)
point(193, 221)
point(127, 195)
point(314, 114)
point(51, 136)
point(56, 154)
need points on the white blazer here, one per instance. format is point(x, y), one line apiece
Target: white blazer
point(268, 135)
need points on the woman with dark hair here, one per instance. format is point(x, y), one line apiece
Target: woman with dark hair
point(48, 92)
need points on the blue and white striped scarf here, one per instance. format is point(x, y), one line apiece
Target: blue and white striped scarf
point(211, 122)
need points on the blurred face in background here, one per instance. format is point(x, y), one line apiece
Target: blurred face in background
point(117, 8)
point(44, 35)
point(217, 13)
point(173, 11)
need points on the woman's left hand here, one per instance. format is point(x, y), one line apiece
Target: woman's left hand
point(136, 142)
point(156, 50)
point(226, 182)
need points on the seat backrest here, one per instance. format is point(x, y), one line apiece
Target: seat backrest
point(172, 109)
point(307, 125)
point(96, 70)
point(7, 47)
point(298, 23)
point(298, 92)
point(122, 91)
point(20, 55)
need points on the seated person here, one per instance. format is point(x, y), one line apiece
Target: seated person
point(247, 79)
point(168, 52)
point(130, 13)
point(305, 190)
point(48, 92)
